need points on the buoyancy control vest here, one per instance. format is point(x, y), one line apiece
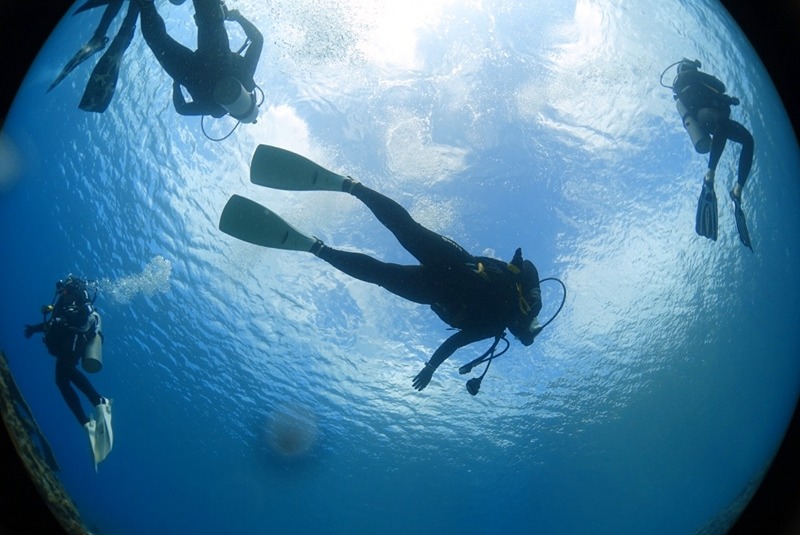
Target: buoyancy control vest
point(71, 317)
point(515, 285)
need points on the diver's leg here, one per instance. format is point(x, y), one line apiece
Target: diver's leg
point(173, 57)
point(109, 13)
point(212, 38)
point(409, 282)
point(425, 245)
point(718, 141)
point(82, 382)
point(710, 119)
point(78, 378)
point(738, 133)
point(65, 365)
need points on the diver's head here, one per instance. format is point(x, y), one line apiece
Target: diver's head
point(63, 286)
point(525, 326)
point(525, 334)
point(525, 329)
point(527, 281)
point(686, 65)
point(237, 101)
point(71, 285)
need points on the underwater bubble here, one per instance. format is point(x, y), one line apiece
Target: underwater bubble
point(154, 278)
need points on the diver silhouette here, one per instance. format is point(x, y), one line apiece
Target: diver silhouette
point(478, 296)
point(72, 334)
point(218, 80)
point(72, 326)
point(705, 109)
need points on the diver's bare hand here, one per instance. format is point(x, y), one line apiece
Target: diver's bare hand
point(423, 377)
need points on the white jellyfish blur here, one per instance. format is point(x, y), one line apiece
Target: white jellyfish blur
point(291, 431)
point(10, 163)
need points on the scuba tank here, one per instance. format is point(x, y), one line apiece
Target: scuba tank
point(92, 359)
point(701, 141)
point(231, 95)
point(700, 138)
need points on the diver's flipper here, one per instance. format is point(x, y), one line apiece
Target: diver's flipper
point(706, 223)
point(104, 433)
point(249, 221)
point(101, 435)
point(94, 45)
point(91, 430)
point(103, 81)
point(281, 169)
point(91, 4)
point(741, 223)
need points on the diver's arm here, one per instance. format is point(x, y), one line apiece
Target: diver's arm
point(253, 52)
point(249, 28)
point(31, 329)
point(183, 107)
point(711, 82)
point(178, 100)
point(448, 347)
point(717, 88)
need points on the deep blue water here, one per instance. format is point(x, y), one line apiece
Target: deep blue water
point(653, 404)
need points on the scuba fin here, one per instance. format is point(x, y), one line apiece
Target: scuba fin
point(249, 221)
point(101, 435)
point(706, 223)
point(103, 81)
point(92, 4)
point(94, 45)
point(741, 223)
point(277, 168)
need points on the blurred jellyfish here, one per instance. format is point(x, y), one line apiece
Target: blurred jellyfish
point(10, 164)
point(291, 431)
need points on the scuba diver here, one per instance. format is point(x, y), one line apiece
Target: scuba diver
point(72, 333)
point(218, 80)
point(705, 110)
point(481, 297)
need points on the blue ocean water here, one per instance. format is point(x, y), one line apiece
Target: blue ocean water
point(260, 391)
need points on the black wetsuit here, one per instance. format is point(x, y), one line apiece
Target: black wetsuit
point(200, 70)
point(477, 295)
point(704, 96)
point(66, 335)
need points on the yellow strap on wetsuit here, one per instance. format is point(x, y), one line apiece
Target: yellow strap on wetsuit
point(524, 306)
point(479, 269)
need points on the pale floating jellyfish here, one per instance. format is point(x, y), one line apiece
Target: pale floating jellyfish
point(291, 431)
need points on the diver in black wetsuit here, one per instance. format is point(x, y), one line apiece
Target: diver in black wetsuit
point(212, 67)
point(704, 96)
point(479, 296)
point(72, 325)
point(704, 99)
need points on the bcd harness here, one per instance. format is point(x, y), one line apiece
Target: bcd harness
point(454, 314)
point(480, 269)
point(60, 312)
